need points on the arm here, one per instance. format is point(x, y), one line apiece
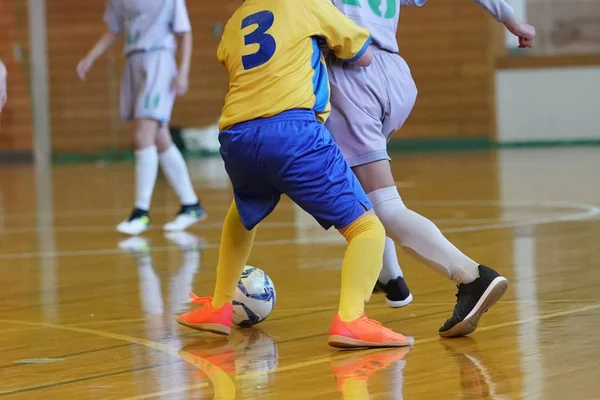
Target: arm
point(504, 13)
point(181, 83)
point(181, 25)
point(102, 46)
point(364, 60)
point(186, 53)
point(347, 40)
point(2, 85)
point(113, 18)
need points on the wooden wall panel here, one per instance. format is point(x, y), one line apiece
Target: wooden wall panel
point(16, 126)
point(84, 116)
point(445, 42)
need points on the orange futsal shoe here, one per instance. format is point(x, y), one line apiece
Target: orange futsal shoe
point(361, 367)
point(206, 318)
point(363, 332)
point(212, 358)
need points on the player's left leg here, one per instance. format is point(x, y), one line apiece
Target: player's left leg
point(176, 172)
point(480, 287)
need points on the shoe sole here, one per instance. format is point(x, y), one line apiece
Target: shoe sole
point(181, 229)
point(133, 233)
point(212, 328)
point(343, 342)
point(492, 294)
point(401, 303)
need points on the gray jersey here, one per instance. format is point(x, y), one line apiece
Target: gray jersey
point(147, 24)
point(381, 16)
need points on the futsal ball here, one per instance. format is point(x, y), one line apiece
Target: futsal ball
point(254, 297)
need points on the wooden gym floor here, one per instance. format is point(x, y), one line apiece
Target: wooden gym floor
point(86, 314)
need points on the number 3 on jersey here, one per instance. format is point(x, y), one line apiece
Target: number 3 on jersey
point(266, 43)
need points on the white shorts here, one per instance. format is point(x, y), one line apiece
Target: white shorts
point(368, 105)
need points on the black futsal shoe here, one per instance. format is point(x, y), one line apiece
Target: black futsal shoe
point(396, 292)
point(473, 300)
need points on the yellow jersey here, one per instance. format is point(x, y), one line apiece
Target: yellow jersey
point(271, 50)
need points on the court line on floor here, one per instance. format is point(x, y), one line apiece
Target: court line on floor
point(589, 212)
point(287, 205)
point(81, 379)
point(308, 309)
point(431, 339)
point(217, 376)
point(224, 386)
point(215, 225)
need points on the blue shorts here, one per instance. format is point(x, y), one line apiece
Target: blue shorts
point(294, 154)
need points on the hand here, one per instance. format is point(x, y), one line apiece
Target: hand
point(525, 32)
point(83, 67)
point(181, 84)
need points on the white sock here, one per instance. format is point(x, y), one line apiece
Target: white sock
point(182, 283)
point(419, 234)
point(391, 268)
point(146, 169)
point(150, 293)
point(175, 169)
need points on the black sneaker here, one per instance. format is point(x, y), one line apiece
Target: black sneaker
point(474, 299)
point(396, 292)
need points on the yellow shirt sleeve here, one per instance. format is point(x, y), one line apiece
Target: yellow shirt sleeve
point(344, 37)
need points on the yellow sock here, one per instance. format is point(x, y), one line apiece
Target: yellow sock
point(355, 389)
point(362, 265)
point(236, 243)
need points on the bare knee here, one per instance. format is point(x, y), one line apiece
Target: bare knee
point(145, 133)
point(163, 139)
point(374, 176)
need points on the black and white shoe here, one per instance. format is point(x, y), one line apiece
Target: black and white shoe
point(187, 216)
point(473, 300)
point(138, 222)
point(396, 292)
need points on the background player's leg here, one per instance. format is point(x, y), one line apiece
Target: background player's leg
point(176, 171)
point(390, 260)
point(391, 278)
point(480, 287)
point(236, 243)
point(146, 169)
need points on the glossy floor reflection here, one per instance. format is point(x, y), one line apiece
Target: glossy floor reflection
point(88, 314)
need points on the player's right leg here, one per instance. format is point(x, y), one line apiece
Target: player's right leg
point(254, 200)
point(145, 127)
point(161, 69)
point(146, 170)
